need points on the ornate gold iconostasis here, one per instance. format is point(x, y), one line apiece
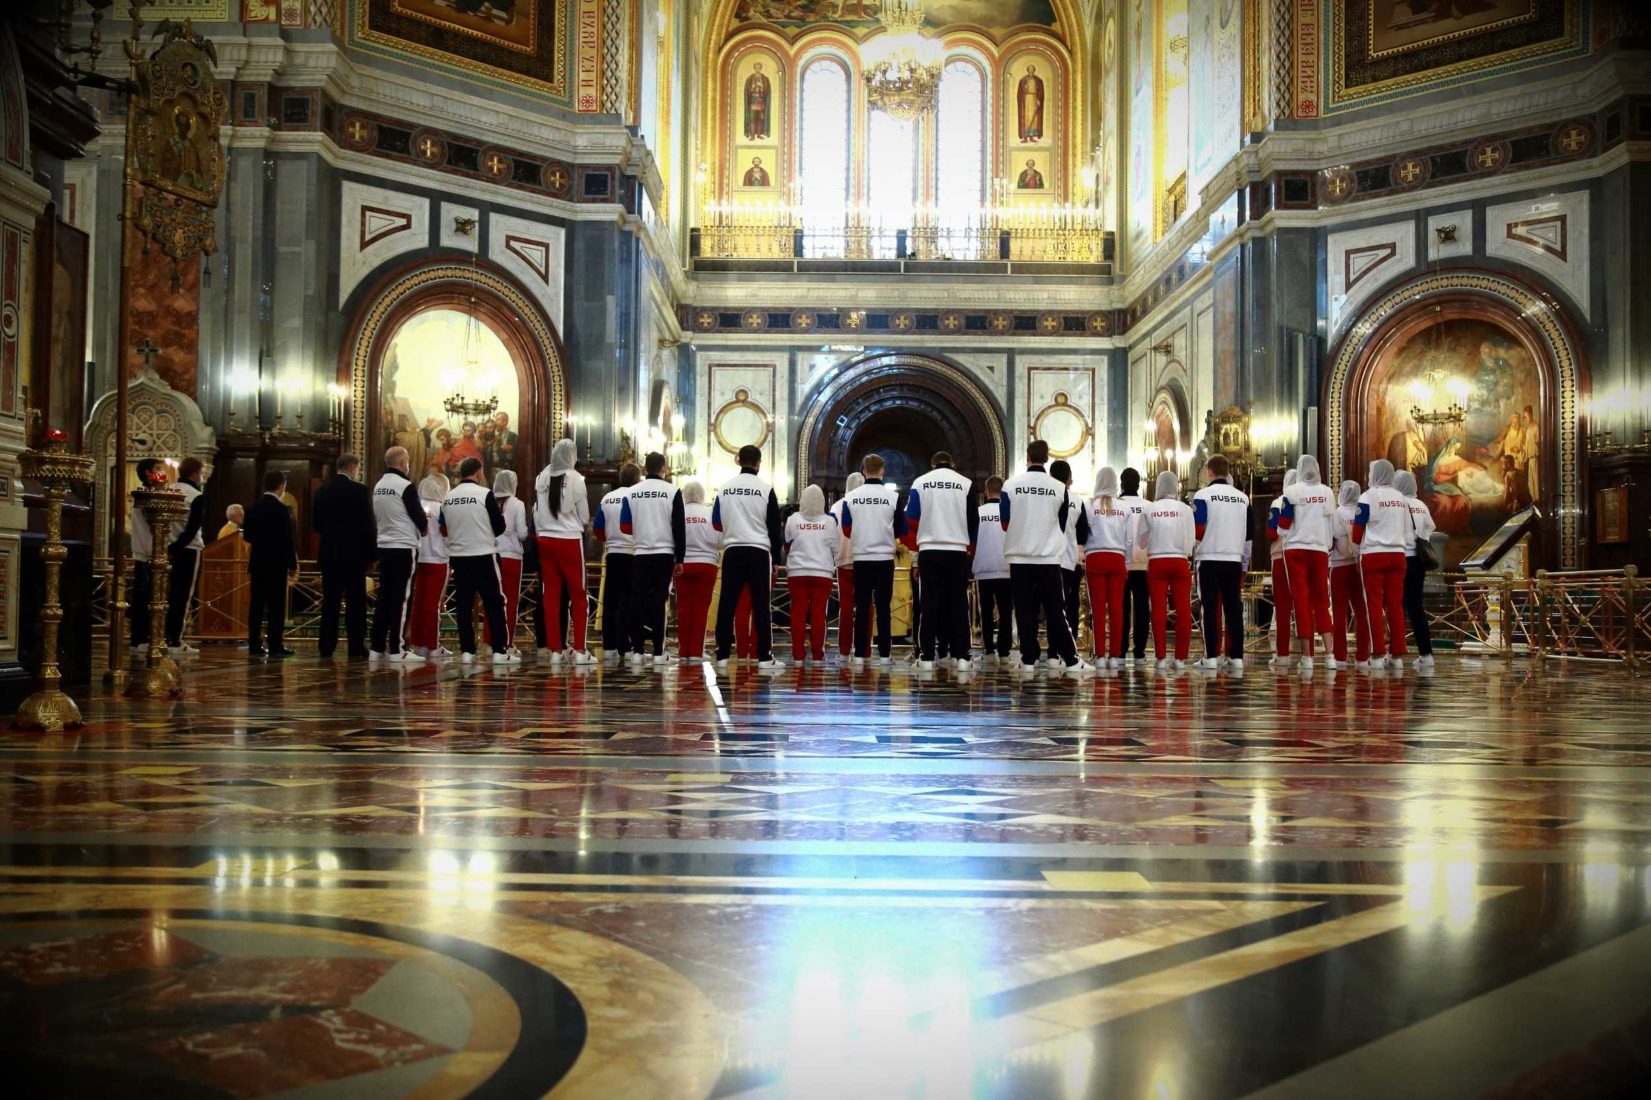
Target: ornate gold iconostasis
point(1028, 56)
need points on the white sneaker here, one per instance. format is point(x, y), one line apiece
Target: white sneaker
point(374, 655)
point(1054, 664)
point(185, 649)
point(467, 658)
point(964, 664)
point(551, 657)
point(503, 658)
point(1334, 665)
point(661, 660)
point(1424, 664)
point(1080, 667)
point(773, 664)
point(1395, 663)
point(581, 659)
point(884, 662)
point(925, 666)
point(1209, 664)
point(1235, 669)
point(1305, 665)
point(405, 657)
point(1279, 662)
point(1119, 663)
point(859, 663)
point(633, 660)
point(612, 657)
point(1365, 665)
point(1177, 664)
point(1163, 664)
point(1027, 668)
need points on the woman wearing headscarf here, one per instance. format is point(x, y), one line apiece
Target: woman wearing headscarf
point(561, 511)
point(1169, 536)
point(1346, 591)
point(1382, 531)
point(698, 578)
point(1421, 529)
point(430, 574)
point(1112, 535)
point(812, 540)
point(845, 574)
point(1305, 520)
point(1282, 604)
point(509, 547)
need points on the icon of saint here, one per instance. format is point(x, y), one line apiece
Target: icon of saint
point(757, 175)
point(757, 94)
point(1029, 100)
point(1030, 179)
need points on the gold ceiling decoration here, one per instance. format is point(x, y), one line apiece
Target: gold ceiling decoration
point(902, 64)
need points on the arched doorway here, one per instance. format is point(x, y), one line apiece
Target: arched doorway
point(904, 407)
point(429, 332)
point(1510, 361)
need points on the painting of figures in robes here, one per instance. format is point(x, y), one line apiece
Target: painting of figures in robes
point(427, 362)
point(1476, 472)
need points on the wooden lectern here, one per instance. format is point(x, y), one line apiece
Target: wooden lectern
point(223, 594)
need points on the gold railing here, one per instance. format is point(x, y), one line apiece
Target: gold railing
point(780, 232)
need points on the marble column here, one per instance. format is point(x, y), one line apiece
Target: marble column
point(600, 334)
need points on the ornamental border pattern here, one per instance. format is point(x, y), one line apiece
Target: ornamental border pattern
point(1539, 313)
point(813, 322)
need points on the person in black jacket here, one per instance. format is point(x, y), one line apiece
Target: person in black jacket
point(269, 530)
point(343, 516)
point(183, 549)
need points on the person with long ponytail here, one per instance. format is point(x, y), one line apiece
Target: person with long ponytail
point(510, 547)
point(1347, 606)
point(430, 575)
point(561, 510)
point(1282, 603)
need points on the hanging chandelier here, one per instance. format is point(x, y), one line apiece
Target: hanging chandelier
point(1440, 399)
point(458, 405)
point(902, 64)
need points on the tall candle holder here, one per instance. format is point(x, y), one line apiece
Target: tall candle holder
point(56, 467)
point(160, 678)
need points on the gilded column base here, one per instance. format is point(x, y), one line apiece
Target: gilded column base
point(49, 711)
point(155, 681)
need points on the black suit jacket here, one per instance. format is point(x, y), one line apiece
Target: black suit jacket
point(342, 513)
point(268, 528)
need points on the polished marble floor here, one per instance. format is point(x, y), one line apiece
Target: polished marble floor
point(315, 879)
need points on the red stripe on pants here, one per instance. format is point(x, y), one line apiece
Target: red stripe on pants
point(1281, 606)
point(562, 567)
point(845, 612)
point(1347, 595)
point(1309, 592)
point(1107, 572)
point(809, 596)
point(1167, 579)
point(510, 580)
point(1384, 597)
point(693, 606)
point(429, 590)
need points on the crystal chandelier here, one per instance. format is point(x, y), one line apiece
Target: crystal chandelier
point(902, 64)
point(1440, 399)
point(457, 404)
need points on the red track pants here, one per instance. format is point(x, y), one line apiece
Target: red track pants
point(429, 590)
point(510, 579)
point(845, 611)
point(693, 606)
point(1282, 606)
point(809, 596)
point(1167, 579)
point(745, 638)
point(1107, 572)
point(1309, 592)
point(1384, 597)
point(562, 567)
point(1347, 600)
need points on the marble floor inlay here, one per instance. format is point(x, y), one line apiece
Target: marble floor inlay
point(319, 880)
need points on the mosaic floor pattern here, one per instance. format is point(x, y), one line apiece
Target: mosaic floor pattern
point(313, 879)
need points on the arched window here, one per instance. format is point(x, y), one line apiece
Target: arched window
point(891, 178)
point(960, 154)
point(824, 155)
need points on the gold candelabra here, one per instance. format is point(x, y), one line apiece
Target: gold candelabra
point(56, 468)
point(160, 678)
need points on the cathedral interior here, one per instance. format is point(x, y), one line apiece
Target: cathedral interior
point(251, 237)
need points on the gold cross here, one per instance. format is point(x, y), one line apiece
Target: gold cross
point(950, 321)
point(427, 147)
point(358, 130)
point(1574, 138)
point(1489, 156)
point(803, 320)
point(901, 320)
point(753, 320)
point(852, 320)
point(1097, 323)
point(1410, 171)
point(1050, 324)
point(1000, 322)
point(1338, 186)
point(558, 179)
point(495, 164)
point(706, 320)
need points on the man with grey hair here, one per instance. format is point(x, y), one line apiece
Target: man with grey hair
point(400, 521)
point(342, 515)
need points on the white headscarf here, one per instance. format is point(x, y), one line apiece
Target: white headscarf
point(433, 487)
point(1168, 486)
point(1349, 493)
point(1381, 473)
point(563, 456)
point(1106, 483)
point(693, 493)
point(1405, 482)
point(812, 502)
point(504, 485)
point(1291, 477)
point(855, 480)
point(1307, 466)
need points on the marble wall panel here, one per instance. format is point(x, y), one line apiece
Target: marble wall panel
point(374, 225)
point(1549, 235)
point(1359, 262)
point(534, 252)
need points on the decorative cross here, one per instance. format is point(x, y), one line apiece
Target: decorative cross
point(1338, 186)
point(852, 320)
point(1574, 138)
point(558, 179)
point(999, 322)
point(1489, 156)
point(358, 130)
point(495, 164)
point(1097, 323)
point(428, 148)
point(1050, 324)
point(902, 320)
point(753, 319)
point(148, 350)
point(706, 319)
point(950, 321)
point(802, 320)
point(1410, 170)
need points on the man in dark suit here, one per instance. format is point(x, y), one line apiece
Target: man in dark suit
point(268, 528)
point(342, 512)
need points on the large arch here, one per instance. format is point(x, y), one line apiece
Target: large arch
point(534, 345)
point(935, 402)
point(1534, 322)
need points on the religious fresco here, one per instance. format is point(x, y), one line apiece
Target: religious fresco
point(1031, 98)
point(423, 365)
point(521, 42)
point(993, 15)
point(1475, 474)
point(757, 112)
point(510, 23)
point(1399, 25)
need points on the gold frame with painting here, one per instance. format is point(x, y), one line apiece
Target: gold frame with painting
point(1611, 515)
point(751, 156)
point(1385, 40)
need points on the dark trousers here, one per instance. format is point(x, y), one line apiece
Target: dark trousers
point(1072, 595)
point(268, 603)
point(477, 575)
point(745, 569)
point(1137, 613)
point(1414, 575)
point(997, 601)
point(914, 575)
point(1041, 588)
point(395, 598)
point(873, 587)
point(945, 602)
point(1221, 592)
point(137, 603)
point(616, 605)
point(346, 584)
point(650, 592)
point(180, 589)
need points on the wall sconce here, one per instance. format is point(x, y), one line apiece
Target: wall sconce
point(465, 226)
point(1445, 233)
